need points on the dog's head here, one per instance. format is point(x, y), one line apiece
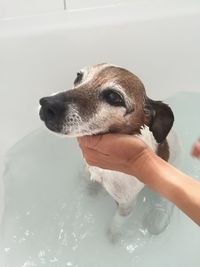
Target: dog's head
point(105, 98)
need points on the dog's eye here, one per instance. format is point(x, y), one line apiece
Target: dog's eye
point(113, 98)
point(79, 77)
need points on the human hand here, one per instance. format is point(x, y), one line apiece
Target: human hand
point(117, 152)
point(196, 150)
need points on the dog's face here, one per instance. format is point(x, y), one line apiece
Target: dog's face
point(105, 98)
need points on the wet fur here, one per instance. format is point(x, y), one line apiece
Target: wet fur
point(87, 114)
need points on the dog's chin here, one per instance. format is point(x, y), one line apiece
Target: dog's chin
point(77, 132)
point(73, 130)
point(65, 132)
point(56, 131)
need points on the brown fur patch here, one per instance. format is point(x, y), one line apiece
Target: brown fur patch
point(134, 89)
point(86, 95)
point(163, 150)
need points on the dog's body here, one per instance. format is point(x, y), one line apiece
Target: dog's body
point(122, 187)
point(109, 99)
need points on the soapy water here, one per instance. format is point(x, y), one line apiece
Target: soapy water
point(55, 217)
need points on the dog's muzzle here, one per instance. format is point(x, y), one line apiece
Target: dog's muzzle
point(52, 112)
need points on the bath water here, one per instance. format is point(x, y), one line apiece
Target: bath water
point(54, 217)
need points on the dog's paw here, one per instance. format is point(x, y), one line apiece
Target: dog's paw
point(156, 220)
point(93, 188)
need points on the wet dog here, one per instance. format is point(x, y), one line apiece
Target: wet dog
point(110, 99)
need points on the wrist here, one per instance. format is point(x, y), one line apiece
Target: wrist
point(141, 165)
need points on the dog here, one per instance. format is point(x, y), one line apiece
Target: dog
point(109, 99)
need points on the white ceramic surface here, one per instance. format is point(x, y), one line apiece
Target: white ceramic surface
point(41, 54)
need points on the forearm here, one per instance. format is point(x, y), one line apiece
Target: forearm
point(176, 186)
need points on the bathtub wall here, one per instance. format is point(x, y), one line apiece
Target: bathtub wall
point(41, 54)
point(43, 46)
point(19, 8)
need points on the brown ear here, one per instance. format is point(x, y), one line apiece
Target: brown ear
point(161, 119)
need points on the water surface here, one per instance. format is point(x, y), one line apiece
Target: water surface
point(55, 218)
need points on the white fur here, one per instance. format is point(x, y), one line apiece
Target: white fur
point(98, 123)
point(175, 148)
point(55, 93)
point(73, 122)
point(91, 71)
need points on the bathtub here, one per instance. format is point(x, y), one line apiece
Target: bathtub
point(41, 54)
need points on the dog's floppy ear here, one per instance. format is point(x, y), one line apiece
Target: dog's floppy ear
point(161, 119)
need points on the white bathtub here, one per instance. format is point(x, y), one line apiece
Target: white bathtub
point(41, 54)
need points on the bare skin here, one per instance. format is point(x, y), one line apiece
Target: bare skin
point(130, 155)
point(196, 150)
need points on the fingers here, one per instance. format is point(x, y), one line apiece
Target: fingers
point(196, 150)
point(111, 151)
point(89, 156)
point(96, 150)
point(90, 141)
point(92, 150)
point(101, 142)
point(94, 158)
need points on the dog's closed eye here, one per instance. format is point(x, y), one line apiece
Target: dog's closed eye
point(113, 97)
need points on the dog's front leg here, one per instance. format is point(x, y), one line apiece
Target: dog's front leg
point(121, 216)
point(122, 213)
point(124, 190)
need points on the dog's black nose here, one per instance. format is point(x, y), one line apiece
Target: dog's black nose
point(52, 111)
